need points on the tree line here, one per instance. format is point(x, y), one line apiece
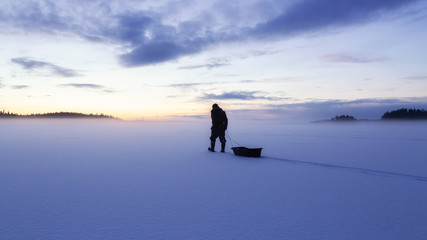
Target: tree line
point(4, 114)
point(405, 114)
point(400, 114)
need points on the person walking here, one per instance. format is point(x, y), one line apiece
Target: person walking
point(219, 125)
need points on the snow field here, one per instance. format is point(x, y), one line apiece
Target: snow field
point(142, 180)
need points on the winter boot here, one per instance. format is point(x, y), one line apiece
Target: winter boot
point(212, 148)
point(223, 147)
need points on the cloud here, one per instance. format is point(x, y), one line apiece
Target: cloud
point(152, 41)
point(157, 32)
point(212, 63)
point(347, 58)
point(248, 81)
point(233, 95)
point(34, 16)
point(186, 85)
point(222, 62)
point(170, 42)
point(239, 95)
point(208, 66)
point(19, 86)
point(155, 52)
point(87, 86)
point(416, 78)
point(339, 104)
point(82, 85)
point(314, 15)
point(195, 84)
point(30, 64)
point(132, 27)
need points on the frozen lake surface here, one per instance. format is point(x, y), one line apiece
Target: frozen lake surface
point(141, 180)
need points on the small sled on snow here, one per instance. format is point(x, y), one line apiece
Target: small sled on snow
point(247, 152)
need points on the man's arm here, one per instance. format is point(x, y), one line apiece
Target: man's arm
point(225, 121)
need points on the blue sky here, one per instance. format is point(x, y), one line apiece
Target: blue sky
point(262, 59)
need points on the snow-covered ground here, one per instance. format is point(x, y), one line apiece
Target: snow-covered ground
point(141, 180)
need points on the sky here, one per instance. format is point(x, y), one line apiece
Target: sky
point(258, 59)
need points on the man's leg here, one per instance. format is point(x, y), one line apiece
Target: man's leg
point(222, 140)
point(213, 139)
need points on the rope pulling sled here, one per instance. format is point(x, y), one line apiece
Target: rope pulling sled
point(244, 151)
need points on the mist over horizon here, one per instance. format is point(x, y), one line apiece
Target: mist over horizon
point(290, 114)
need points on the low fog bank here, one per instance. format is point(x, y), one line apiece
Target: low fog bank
point(360, 143)
point(341, 142)
point(91, 179)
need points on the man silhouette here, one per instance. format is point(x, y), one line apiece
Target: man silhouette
point(219, 125)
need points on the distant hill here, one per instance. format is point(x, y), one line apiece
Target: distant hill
point(405, 114)
point(74, 115)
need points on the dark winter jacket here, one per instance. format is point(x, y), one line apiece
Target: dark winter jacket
point(219, 119)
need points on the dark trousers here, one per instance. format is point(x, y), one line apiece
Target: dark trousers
point(218, 133)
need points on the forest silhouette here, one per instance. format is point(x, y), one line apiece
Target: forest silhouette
point(4, 114)
point(405, 114)
point(399, 114)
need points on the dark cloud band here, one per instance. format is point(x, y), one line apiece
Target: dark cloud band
point(149, 38)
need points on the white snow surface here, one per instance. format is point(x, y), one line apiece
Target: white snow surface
point(72, 179)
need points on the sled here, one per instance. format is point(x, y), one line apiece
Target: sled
point(247, 152)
